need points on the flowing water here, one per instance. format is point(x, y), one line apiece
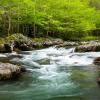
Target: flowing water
point(53, 74)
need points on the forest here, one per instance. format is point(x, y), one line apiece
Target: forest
point(65, 19)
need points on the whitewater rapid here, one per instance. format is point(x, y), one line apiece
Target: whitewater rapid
point(55, 58)
point(52, 72)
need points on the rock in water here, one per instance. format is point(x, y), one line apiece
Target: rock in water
point(9, 71)
point(97, 61)
point(8, 48)
point(98, 80)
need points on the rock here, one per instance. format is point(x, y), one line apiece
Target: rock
point(52, 42)
point(57, 41)
point(22, 45)
point(9, 71)
point(47, 44)
point(97, 61)
point(8, 48)
point(67, 44)
point(44, 61)
point(88, 48)
point(25, 47)
point(98, 80)
point(2, 48)
point(16, 44)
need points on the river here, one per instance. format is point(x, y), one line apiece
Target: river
point(52, 74)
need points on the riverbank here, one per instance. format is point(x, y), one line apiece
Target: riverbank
point(19, 42)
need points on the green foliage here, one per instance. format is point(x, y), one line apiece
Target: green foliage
point(66, 19)
point(90, 38)
point(17, 37)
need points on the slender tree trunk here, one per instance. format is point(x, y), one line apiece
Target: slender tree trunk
point(34, 31)
point(9, 25)
point(47, 34)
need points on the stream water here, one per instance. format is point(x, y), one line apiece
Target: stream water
point(53, 74)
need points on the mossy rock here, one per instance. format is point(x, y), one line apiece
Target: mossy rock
point(2, 48)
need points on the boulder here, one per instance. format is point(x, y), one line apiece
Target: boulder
point(8, 48)
point(98, 80)
point(25, 47)
point(52, 42)
point(2, 48)
point(16, 44)
point(97, 61)
point(88, 48)
point(9, 71)
point(47, 44)
point(67, 44)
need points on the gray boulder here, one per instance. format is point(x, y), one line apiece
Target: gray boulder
point(88, 48)
point(9, 71)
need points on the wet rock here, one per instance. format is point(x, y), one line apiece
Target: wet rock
point(25, 47)
point(47, 44)
point(10, 71)
point(44, 61)
point(8, 48)
point(97, 61)
point(2, 48)
point(98, 80)
point(22, 45)
point(16, 44)
point(68, 44)
point(52, 42)
point(57, 41)
point(88, 48)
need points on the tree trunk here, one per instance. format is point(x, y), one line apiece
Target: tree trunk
point(9, 25)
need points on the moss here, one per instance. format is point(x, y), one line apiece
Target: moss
point(2, 40)
point(18, 37)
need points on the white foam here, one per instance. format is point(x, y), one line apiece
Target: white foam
point(3, 55)
point(57, 57)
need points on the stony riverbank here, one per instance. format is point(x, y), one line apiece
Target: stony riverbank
point(22, 43)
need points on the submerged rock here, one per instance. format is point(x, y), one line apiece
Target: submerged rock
point(10, 71)
point(44, 61)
